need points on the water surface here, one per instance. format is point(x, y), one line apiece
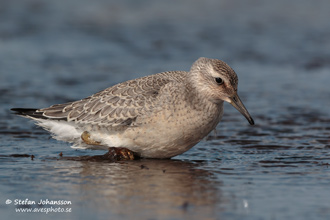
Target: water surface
point(59, 51)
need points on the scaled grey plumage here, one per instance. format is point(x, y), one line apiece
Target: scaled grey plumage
point(118, 105)
point(157, 116)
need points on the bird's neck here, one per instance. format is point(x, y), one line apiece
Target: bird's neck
point(209, 111)
point(199, 102)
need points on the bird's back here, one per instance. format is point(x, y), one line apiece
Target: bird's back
point(116, 105)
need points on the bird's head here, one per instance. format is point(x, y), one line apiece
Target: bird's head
point(218, 81)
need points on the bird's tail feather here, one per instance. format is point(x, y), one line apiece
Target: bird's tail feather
point(35, 114)
point(28, 112)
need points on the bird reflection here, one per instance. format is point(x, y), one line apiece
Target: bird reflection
point(149, 188)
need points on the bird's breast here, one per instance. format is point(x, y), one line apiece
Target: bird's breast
point(172, 132)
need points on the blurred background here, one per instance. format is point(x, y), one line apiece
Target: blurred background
point(57, 51)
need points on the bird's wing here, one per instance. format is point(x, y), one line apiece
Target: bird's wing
point(118, 105)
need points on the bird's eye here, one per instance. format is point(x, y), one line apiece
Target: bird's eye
point(219, 80)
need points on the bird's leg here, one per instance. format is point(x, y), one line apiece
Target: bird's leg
point(114, 153)
point(86, 137)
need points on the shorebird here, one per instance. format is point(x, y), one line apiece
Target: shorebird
point(156, 116)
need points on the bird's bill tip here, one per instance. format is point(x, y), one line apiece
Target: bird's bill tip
point(238, 104)
point(251, 121)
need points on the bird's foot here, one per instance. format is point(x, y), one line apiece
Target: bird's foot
point(113, 155)
point(120, 153)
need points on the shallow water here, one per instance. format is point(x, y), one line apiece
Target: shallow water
point(58, 51)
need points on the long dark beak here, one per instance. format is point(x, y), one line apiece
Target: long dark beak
point(238, 104)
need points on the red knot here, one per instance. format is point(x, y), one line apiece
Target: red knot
point(156, 116)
